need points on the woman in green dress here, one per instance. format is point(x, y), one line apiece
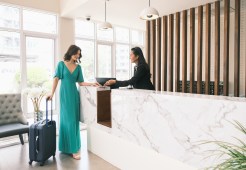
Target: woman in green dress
point(70, 73)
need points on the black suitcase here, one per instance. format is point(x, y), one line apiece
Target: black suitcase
point(42, 139)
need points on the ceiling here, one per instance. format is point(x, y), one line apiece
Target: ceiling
point(124, 12)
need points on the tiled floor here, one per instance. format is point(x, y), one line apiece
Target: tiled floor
point(16, 158)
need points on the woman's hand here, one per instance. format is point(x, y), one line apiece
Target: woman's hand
point(110, 82)
point(49, 97)
point(96, 84)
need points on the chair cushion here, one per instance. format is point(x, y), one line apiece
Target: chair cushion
point(10, 109)
point(13, 129)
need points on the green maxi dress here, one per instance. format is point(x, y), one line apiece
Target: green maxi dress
point(69, 133)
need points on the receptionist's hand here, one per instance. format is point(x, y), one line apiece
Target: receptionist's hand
point(110, 82)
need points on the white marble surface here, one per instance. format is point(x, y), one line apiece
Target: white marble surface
point(173, 124)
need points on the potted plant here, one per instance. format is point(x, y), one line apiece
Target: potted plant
point(234, 155)
point(36, 95)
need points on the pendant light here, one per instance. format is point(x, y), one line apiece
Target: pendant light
point(105, 25)
point(149, 13)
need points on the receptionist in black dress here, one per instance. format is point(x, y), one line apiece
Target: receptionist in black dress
point(141, 77)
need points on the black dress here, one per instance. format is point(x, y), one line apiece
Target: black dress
point(140, 80)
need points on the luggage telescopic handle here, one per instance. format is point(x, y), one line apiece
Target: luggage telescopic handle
point(48, 111)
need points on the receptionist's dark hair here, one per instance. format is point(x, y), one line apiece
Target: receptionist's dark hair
point(137, 51)
point(72, 50)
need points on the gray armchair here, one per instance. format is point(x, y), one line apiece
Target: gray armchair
point(12, 120)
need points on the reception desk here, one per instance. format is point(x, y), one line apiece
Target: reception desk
point(158, 130)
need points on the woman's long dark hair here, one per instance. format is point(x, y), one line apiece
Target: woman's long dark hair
point(72, 50)
point(141, 60)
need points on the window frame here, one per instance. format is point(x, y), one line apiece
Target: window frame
point(25, 33)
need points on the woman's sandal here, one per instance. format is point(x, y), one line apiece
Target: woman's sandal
point(76, 156)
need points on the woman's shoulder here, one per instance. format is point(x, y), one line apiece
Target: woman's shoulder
point(60, 62)
point(143, 66)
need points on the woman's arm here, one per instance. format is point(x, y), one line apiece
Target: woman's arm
point(89, 84)
point(55, 82)
point(141, 72)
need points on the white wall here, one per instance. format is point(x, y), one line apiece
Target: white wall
point(66, 35)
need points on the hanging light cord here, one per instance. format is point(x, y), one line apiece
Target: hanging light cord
point(105, 10)
point(149, 3)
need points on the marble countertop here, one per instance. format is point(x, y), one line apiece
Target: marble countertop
point(178, 94)
point(169, 123)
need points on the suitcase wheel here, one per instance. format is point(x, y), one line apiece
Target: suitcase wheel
point(42, 164)
point(30, 162)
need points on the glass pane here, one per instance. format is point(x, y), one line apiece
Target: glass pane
point(122, 34)
point(9, 17)
point(9, 43)
point(137, 37)
point(87, 61)
point(106, 35)
point(9, 62)
point(39, 22)
point(122, 62)
point(40, 65)
point(84, 29)
point(104, 60)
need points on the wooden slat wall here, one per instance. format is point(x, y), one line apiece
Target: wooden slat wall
point(226, 47)
point(217, 49)
point(184, 51)
point(192, 49)
point(207, 48)
point(164, 52)
point(170, 56)
point(158, 55)
point(199, 50)
point(177, 51)
point(152, 50)
point(237, 49)
point(160, 50)
point(147, 42)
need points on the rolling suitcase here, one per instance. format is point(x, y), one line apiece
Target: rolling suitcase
point(42, 139)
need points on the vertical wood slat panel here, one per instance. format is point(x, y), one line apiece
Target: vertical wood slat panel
point(192, 49)
point(226, 47)
point(158, 55)
point(147, 40)
point(199, 50)
point(217, 49)
point(237, 49)
point(164, 52)
point(207, 49)
point(152, 50)
point(177, 51)
point(170, 56)
point(184, 51)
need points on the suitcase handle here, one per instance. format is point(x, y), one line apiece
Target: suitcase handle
point(48, 111)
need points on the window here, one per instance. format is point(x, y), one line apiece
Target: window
point(38, 51)
point(9, 17)
point(122, 34)
point(40, 62)
point(39, 22)
point(84, 29)
point(137, 37)
point(104, 60)
point(122, 62)
point(87, 61)
point(40, 65)
point(9, 62)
